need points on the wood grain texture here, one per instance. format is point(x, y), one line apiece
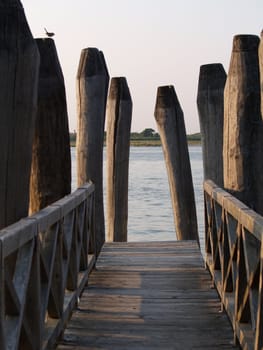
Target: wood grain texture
point(243, 146)
point(119, 115)
point(260, 56)
point(51, 163)
point(19, 64)
point(170, 121)
point(153, 295)
point(234, 256)
point(210, 103)
point(44, 267)
point(92, 87)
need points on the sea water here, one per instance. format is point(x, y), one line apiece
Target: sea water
point(150, 216)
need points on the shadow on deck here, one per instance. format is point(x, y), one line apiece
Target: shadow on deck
point(154, 295)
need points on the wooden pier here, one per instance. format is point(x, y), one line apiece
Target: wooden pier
point(155, 295)
point(61, 285)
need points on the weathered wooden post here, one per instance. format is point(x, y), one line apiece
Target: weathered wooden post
point(92, 87)
point(19, 64)
point(210, 103)
point(119, 115)
point(51, 163)
point(260, 54)
point(242, 147)
point(170, 121)
point(259, 146)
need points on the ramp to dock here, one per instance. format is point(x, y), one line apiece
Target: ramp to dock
point(154, 295)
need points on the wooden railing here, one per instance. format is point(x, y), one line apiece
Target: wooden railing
point(45, 260)
point(234, 256)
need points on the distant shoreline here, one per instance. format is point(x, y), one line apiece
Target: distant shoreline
point(147, 138)
point(149, 143)
point(157, 143)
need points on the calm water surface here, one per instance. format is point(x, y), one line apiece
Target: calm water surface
point(150, 209)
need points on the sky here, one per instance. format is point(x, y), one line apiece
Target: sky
point(150, 42)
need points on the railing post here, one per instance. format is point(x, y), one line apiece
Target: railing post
point(55, 305)
point(39, 255)
point(92, 231)
point(33, 298)
point(259, 325)
point(241, 311)
point(2, 299)
point(227, 279)
point(240, 250)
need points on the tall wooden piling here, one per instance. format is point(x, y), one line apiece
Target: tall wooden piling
point(170, 121)
point(19, 64)
point(51, 162)
point(260, 55)
point(92, 87)
point(210, 103)
point(242, 123)
point(119, 115)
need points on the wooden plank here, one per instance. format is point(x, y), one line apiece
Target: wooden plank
point(153, 295)
point(247, 217)
point(17, 235)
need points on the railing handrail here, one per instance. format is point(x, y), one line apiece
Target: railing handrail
point(251, 220)
point(44, 266)
point(234, 256)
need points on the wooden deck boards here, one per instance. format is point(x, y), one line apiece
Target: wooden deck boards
point(153, 295)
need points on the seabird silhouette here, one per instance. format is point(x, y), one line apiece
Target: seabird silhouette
point(49, 33)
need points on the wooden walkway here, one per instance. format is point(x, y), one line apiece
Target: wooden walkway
point(154, 295)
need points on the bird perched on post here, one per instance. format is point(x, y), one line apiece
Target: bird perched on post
point(49, 33)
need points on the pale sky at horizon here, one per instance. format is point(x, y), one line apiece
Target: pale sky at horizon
point(150, 42)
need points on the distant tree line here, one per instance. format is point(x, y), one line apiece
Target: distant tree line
point(146, 134)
